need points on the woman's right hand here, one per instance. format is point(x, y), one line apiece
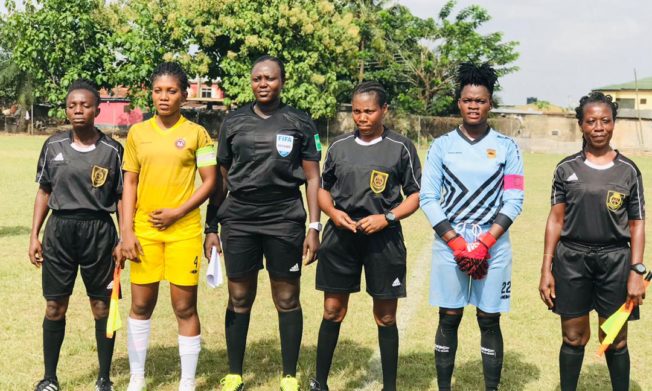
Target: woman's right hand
point(35, 252)
point(343, 221)
point(212, 240)
point(547, 288)
point(131, 248)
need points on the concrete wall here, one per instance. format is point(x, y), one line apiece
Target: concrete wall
point(534, 133)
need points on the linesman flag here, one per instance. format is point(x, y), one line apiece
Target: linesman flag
point(615, 322)
point(114, 322)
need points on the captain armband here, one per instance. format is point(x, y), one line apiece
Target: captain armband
point(206, 156)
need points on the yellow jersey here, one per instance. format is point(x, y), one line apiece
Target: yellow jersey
point(166, 161)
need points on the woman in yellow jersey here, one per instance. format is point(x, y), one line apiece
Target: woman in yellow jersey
point(161, 231)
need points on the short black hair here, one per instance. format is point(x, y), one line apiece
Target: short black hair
point(267, 57)
point(171, 69)
point(371, 87)
point(595, 97)
point(469, 73)
point(84, 84)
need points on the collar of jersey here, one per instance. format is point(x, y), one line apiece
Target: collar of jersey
point(181, 120)
point(273, 113)
point(468, 140)
point(583, 154)
point(71, 138)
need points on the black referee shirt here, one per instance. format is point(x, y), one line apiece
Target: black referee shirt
point(367, 179)
point(81, 180)
point(600, 201)
point(264, 155)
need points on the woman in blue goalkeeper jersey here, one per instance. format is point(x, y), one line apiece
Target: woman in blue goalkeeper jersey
point(471, 192)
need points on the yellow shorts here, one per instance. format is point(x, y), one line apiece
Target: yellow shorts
point(178, 262)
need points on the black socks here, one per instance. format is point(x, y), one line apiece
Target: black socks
point(570, 365)
point(53, 333)
point(236, 329)
point(491, 349)
point(388, 342)
point(104, 348)
point(445, 348)
point(290, 325)
point(329, 332)
point(618, 363)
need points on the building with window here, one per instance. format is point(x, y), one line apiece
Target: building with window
point(631, 95)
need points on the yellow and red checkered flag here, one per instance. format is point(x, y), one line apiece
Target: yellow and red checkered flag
point(114, 322)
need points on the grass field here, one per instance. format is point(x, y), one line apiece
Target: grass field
point(532, 334)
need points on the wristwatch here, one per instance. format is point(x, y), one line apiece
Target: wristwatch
point(389, 216)
point(316, 226)
point(638, 268)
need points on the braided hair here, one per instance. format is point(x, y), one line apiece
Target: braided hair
point(171, 69)
point(267, 57)
point(594, 97)
point(84, 84)
point(478, 75)
point(372, 87)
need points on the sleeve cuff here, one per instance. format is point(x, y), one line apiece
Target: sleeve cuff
point(442, 227)
point(212, 223)
point(503, 221)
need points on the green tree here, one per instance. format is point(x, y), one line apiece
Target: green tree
point(421, 56)
point(316, 41)
point(148, 32)
point(57, 41)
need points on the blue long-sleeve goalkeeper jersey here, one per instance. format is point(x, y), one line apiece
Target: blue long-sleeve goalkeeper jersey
point(472, 181)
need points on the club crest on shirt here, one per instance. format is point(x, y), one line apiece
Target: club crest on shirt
point(614, 200)
point(378, 181)
point(180, 143)
point(98, 176)
point(491, 153)
point(284, 144)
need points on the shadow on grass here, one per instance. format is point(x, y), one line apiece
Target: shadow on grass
point(516, 374)
point(14, 231)
point(262, 364)
point(595, 377)
point(416, 371)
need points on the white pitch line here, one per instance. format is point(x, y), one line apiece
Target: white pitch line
point(417, 287)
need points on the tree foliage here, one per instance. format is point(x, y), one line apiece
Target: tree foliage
point(421, 56)
point(327, 46)
point(316, 42)
point(57, 41)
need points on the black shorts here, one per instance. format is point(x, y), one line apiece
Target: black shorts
point(245, 244)
point(83, 241)
point(588, 278)
point(342, 255)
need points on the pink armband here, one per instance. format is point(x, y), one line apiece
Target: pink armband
point(513, 182)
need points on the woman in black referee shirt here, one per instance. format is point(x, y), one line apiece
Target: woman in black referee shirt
point(594, 239)
point(366, 175)
point(80, 179)
point(266, 151)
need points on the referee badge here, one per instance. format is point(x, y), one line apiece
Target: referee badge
point(614, 200)
point(284, 144)
point(98, 176)
point(378, 181)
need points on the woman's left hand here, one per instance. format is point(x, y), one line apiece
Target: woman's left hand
point(163, 218)
point(310, 247)
point(118, 257)
point(635, 288)
point(372, 224)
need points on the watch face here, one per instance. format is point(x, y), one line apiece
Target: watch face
point(389, 216)
point(639, 268)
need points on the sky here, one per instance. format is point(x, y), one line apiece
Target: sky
point(567, 47)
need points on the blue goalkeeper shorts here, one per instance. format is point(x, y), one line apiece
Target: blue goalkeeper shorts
point(452, 288)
